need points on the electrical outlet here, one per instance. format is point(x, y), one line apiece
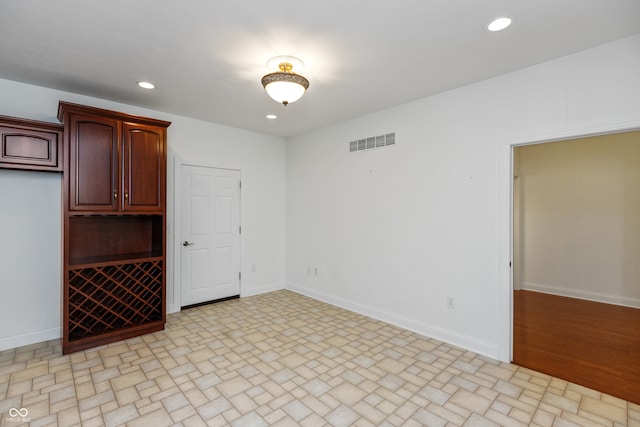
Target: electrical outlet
point(451, 302)
point(253, 268)
point(315, 271)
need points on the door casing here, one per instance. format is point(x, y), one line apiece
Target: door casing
point(506, 196)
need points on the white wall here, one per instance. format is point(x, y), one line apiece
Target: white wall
point(30, 211)
point(30, 237)
point(580, 217)
point(394, 231)
point(261, 161)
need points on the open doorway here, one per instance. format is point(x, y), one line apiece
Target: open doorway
point(576, 305)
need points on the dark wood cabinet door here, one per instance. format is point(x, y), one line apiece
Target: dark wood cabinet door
point(93, 163)
point(28, 147)
point(31, 145)
point(144, 163)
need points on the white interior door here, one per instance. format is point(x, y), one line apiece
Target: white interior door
point(210, 227)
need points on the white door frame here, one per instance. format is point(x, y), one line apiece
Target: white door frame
point(176, 247)
point(505, 248)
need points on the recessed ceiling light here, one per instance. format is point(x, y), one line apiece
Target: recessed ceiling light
point(499, 24)
point(146, 85)
point(271, 116)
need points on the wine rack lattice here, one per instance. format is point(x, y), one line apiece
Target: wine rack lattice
point(108, 298)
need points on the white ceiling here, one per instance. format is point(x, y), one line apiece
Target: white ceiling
point(206, 57)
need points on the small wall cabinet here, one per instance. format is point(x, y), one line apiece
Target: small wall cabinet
point(30, 145)
point(114, 259)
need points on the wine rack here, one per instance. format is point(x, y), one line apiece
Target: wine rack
point(110, 297)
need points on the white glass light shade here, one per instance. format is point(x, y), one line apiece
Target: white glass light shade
point(285, 92)
point(284, 86)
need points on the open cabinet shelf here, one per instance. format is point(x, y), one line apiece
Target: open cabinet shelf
point(101, 239)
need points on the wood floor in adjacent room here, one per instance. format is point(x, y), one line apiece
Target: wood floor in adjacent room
point(589, 343)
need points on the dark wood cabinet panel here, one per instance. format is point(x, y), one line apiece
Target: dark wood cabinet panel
point(144, 168)
point(114, 226)
point(30, 145)
point(93, 163)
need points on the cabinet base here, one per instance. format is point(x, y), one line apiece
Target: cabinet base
point(89, 342)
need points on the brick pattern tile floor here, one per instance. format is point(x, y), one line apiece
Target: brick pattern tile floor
point(282, 359)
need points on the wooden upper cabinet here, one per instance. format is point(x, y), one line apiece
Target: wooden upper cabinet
point(116, 161)
point(31, 145)
point(93, 163)
point(144, 168)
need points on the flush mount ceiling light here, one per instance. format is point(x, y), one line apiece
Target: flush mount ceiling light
point(285, 86)
point(499, 24)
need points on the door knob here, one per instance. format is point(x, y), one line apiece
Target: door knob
point(185, 243)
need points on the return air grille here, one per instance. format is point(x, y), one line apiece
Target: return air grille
point(372, 142)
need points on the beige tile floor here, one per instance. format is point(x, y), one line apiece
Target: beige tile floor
point(283, 359)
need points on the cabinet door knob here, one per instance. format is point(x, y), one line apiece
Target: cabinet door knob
point(185, 243)
point(115, 195)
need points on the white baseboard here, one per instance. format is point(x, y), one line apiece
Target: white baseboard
point(582, 294)
point(263, 289)
point(7, 343)
point(428, 330)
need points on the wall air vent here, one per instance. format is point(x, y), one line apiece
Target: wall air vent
point(372, 142)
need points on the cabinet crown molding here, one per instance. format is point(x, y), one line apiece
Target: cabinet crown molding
point(68, 107)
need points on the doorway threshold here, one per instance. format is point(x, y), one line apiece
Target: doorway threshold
point(186, 307)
